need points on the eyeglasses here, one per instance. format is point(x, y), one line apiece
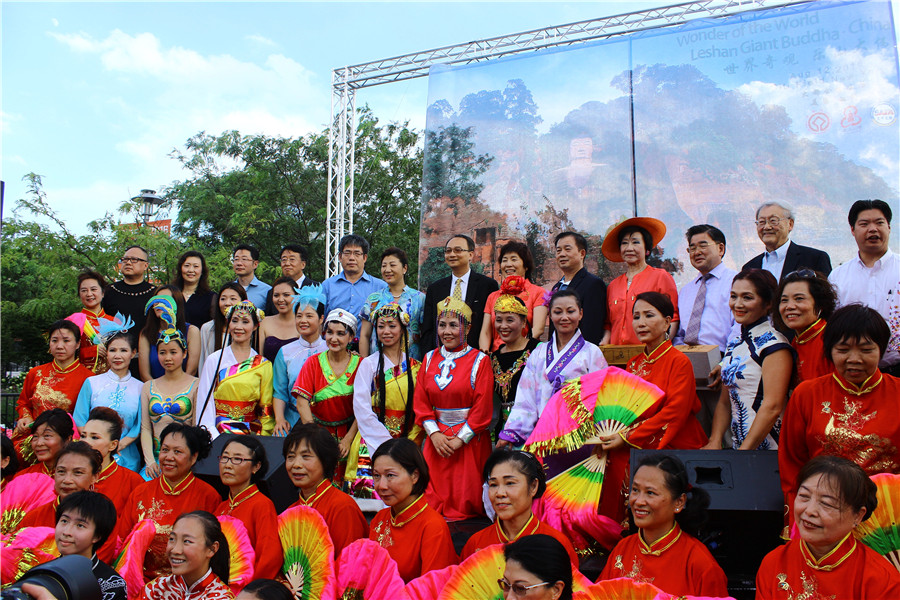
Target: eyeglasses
point(356, 253)
point(289, 261)
point(132, 259)
point(517, 588)
point(456, 250)
point(235, 460)
point(773, 221)
point(699, 246)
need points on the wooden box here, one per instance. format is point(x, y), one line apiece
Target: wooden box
point(704, 358)
point(620, 354)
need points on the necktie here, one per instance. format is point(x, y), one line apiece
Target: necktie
point(692, 332)
point(457, 290)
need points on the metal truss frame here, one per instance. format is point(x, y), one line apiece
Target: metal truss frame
point(346, 80)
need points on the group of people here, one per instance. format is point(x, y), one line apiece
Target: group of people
point(423, 401)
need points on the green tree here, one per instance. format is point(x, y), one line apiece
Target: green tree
point(452, 169)
point(275, 192)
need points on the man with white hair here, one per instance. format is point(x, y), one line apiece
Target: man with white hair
point(774, 223)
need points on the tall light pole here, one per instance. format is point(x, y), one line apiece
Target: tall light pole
point(150, 204)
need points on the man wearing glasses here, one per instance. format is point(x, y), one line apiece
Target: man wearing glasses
point(293, 261)
point(130, 295)
point(244, 260)
point(350, 288)
point(470, 287)
point(774, 222)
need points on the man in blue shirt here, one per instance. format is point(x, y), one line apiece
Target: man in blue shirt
point(244, 260)
point(350, 288)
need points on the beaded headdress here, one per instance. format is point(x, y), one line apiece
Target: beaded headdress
point(455, 307)
point(391, 310)
point(108, 328)
point(311, 295)
point(171, 334)
point(342, 316)
point(508, 302)
point(166, 304)
point(248, 308)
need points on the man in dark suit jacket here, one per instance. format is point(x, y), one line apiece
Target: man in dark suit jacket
point(774, 223)
point(293, 261)
point(571, 248)
point(474, 290)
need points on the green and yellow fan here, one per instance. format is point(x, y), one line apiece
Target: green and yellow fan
point(881, 531)
point(308, 553)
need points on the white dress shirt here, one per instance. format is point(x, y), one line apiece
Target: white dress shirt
point(462, 288)
point(773, 261)
point(877, 287)
point(717, 324)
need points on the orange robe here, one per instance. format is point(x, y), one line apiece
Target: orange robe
point(492, 534)
point(620, 299)
point(158, 501)
point(455, 396)
point(346, 522)
point(675, 424)
point(42, 516)
point(851, 570)
point(116, 483)
point(48, 386)
point(418, 539)
point(677, 563)
point(87, 351)
point(811, 361)
point(254, 509)
point(829, 415)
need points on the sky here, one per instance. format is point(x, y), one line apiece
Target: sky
point(95, 96)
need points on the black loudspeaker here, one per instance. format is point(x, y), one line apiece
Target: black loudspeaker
point(276, 484)
point(746, 511)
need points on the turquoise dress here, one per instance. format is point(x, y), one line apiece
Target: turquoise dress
point(167, 409)
point(122, 395)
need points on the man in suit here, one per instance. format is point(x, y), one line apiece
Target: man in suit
point(293, 261)
point(472, 287)
point(571, 248)
point(774, 223)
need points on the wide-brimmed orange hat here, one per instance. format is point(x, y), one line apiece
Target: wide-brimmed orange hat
point(610, 247)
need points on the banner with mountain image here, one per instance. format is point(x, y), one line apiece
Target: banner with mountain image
point(698, 123)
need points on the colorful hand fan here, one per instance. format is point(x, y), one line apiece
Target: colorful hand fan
point(365, 571)
point(130, 562)
point(25, 549)
point(243, 557)
point(85, 326)
point(308, 552)
point(581, 527)
point(613, 400)
point(881, 531)
point(622, 589)
point(22, 494)
point(430, 584)
point(477, 576)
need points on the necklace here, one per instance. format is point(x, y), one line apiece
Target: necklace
point(135, 294)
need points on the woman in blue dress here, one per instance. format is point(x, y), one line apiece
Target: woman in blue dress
point(756, 368)
point(118, 390)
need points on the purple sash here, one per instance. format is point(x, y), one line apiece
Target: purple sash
point(554, 375)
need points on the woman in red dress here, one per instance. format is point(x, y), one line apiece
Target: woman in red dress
point(76, 469)
point(242, 465)
point(174, 492)
point(90, 291)
point(52, 385)
point(515, 479)
point(453, 403)
point(852, 413)
point(825, 560)
point(102, 432)
point(806, 300)
point(413, 533)
point(310, 459)
point(667, 512)
point(198, 556)
point(53, 429)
